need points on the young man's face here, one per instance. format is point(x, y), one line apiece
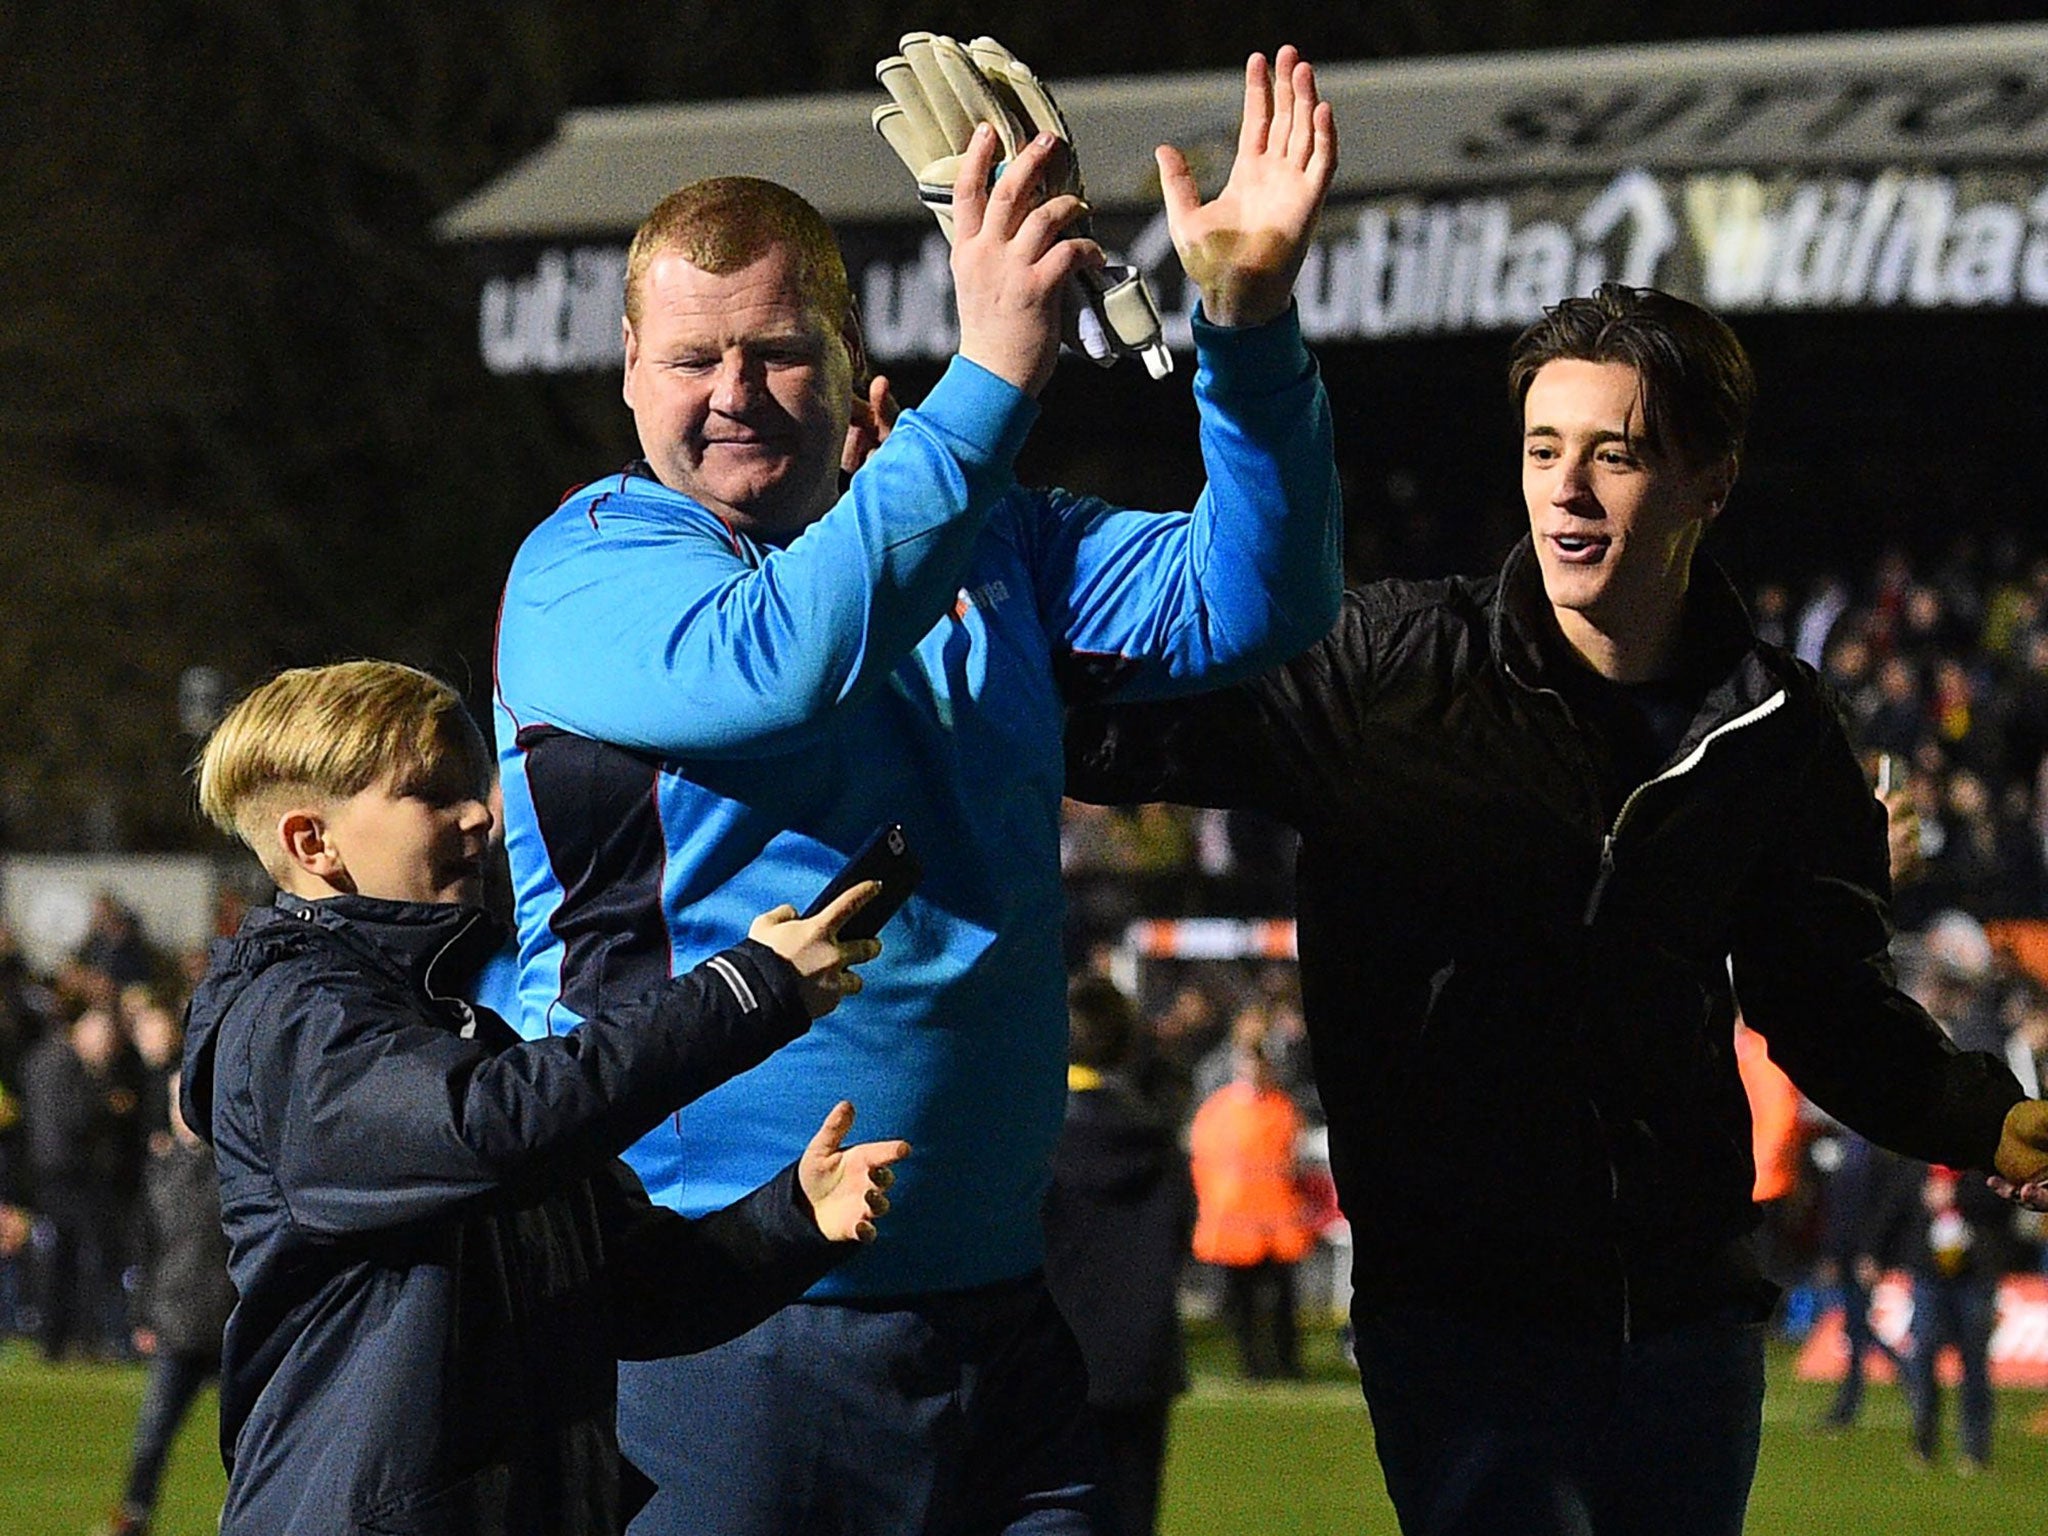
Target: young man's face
point(424, 843)
point(1614, 518)
point(741, 390)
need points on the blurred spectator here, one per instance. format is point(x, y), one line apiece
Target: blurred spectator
point(157, 1037)
point(1776, 1143)
point(80, 1120)
point(23, 1023)
point(1852, 1212)
point(1923, 633)
point(2026, 708)
point(1117, 1221)
point(1219, 1067)
point(1771, 613)
point(1898, 721)
point(1817, 619)
point(1968, 734)
point(1949, 1232)
point(1250, 1220)
point(182, 1305)
point(113, 943)
point(1946, 1229)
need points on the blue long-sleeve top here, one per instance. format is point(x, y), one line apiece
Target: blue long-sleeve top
point(695, 726)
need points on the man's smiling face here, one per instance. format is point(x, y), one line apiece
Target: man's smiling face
point(1615, 518)
point(742, 392)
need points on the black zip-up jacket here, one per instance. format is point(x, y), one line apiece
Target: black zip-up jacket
point(1520, 1001)
point(439, 1258)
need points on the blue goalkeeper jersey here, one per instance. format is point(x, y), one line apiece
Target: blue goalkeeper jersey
point(695, 726)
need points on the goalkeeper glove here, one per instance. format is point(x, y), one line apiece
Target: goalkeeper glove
point(938, 91)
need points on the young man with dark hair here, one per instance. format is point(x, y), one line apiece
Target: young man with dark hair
point(1554, 821)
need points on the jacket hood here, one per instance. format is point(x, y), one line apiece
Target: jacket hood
point(434, 947)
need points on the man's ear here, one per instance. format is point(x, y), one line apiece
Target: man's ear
point(856, 346)
point(632, 350)
point(309, 844)
point(1720, 482)
point(874, 413)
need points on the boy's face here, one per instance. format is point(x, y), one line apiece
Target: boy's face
point(422, 842)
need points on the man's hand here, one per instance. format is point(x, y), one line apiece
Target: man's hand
point(848, 1187)
point(2023, 1155)
point(938, 91)
point(1012, 258)
point(812, 944)
point(1243, 250)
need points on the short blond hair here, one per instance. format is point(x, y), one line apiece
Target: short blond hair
point(327, 733)
point(723, 223)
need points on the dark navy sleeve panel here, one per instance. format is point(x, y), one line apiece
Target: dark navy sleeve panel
point(715, 646)
point(597, 809)
point(374, 1113)
point(685, 1283)
point(1252, 575)
point(1813, 968)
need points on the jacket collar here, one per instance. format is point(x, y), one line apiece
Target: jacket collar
point(435, 946)
point(1715, 632)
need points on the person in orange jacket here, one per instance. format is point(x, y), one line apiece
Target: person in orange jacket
point(1250, 1220)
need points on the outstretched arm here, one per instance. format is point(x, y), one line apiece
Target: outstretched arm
point(684, 1283)
point(848, 1187)
point(1244, 249)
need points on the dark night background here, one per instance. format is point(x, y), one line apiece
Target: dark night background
point(243, 422)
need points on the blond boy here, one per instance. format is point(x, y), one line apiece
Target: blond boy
point(439, 1258)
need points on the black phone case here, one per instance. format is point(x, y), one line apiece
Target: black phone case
point(886, 857)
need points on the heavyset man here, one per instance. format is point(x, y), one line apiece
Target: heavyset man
point(717, 674)
point(1554, 821)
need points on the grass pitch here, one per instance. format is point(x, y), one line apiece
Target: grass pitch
point(1278, 1460)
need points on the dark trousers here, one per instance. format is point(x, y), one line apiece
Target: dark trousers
point(1486, 1427)
point(1860, 1339)
point(78, 1252)
point(958, 1414)
point(1962, 1312)
point(1133, 1456)
point(175, 1379)
point(1258, 1299)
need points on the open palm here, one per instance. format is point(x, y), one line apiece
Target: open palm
point(1244, 248)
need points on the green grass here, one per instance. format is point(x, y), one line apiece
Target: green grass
point(1267, 1460)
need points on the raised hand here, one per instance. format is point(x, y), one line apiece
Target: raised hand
point(822, 959)
point(1012, 258)
point(2023, 1155)
point(848, 1186)
point(1243, 249)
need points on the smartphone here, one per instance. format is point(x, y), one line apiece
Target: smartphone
point(1884, 775)
point(886, 857)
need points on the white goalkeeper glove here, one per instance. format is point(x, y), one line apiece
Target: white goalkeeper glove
point(938, 91)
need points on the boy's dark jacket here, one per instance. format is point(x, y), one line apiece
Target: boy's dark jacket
point(438, 1255)
point(1520, 998)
